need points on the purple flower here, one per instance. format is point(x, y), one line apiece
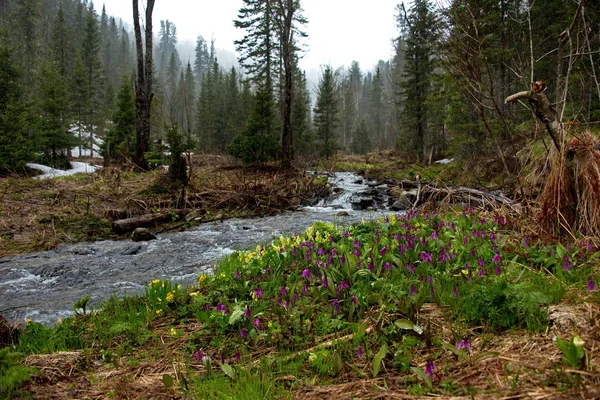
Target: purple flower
point(497, 258)
point(382, 251)
point(237, 356)
point(465, 240)
point(336, 305)
point(356, 244)
point(371, 266)
point(296, 298)
point(343, 285)
point(590, 246)
point(463, 344)
point(321, 251)
point(267, 271)
point(257, 323)
point(294, 251)
point(411, 268)
point(492, 236)
point(454, 292)
point(307, 257)
point(566, 264)
point(357, 253)
point(480, 263)
point(222, 307)
point(429, 368)
point(359, 351)
point(247, 313)
point(387, 266)
point(343, 259)
point(283, 291)
point(243, 333)
point(305, 287)
point(413, 291)
point(236, 275)
point(324, 281)
point(258, 293)
point(434, 235)
point(466, 268)
point(425, 257)
point(591, 286)
point(306, 273)
point(526, 241)
point(480, 272)
point(199, 355)
point(354, 300)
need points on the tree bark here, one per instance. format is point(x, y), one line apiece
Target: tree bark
point(544, 111)
point(287, 36)
point(143, 87)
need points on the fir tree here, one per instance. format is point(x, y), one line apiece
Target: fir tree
point(201, 60)
point(326, 113)
point(120, 138)
point(361, 144)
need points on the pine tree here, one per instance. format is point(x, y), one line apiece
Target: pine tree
point(54, 117)
point(15, 143)
point(361, 144)
point(422, 33)
point(301, 116)
point(326, 113)
point(376, 109)
point(201, 60)
point(120, 138)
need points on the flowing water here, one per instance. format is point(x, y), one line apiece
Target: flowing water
point(43, 286)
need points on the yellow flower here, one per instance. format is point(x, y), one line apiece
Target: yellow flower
point(158, 312)
point(29, 320)
point(170, 297)
point(154, 282)
point(173, 332)
point(201, 278)
point(193, 294)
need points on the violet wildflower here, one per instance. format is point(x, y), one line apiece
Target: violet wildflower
point(371, 266)
point(425, 257)
point(237, 356)
point(591, 286)
point(294, 251)
point(434, 235)
point(454, 292)
point(382, 251)
point(343, 285)
point(283, 291)
point(236, 275)
point(465, 240)
point(258, 293)
point(497, 258)
point(257, 323)
point(305, 287)
point(590, 246)
point(526, 241)
point(307, 257)
point(492, 236)
point(480, 272)
point(296, 298)
point(247, 313)
point(343, 259)
point(429, 280)
point(356, 244)
point(321, 251)
point(387, 266)
point(566, 264)
point(411, 268)
point(359, 351)
point(413, 291)
point(267, 271)
point(480, 263)
point(432, 292)
point(429, 368)
point(498, 269)
point(243, 333)
point(199, 355)
point(357, 253)
point(354, 300)
point(306, 273)
point(325, 283)
point(463, 344)
point(346, 234)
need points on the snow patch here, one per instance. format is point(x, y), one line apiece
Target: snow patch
point(49, 172)
point(444, 161)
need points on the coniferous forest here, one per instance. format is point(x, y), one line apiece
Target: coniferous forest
point(424, 226)
point(69, 70)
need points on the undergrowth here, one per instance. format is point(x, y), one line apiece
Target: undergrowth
point(332, 303)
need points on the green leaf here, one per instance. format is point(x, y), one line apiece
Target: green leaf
point(423, 376)
point(167, 381)
point(228, 370)
point(236, 315)
point(378, 359)
point(408, 325)
point(460, 353)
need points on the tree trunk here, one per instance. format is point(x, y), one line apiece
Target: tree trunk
point(287, 36)
point(143, 87)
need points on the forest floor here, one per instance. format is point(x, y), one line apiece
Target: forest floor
point(41, 214)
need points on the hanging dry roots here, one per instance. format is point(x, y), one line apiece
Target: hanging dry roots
point(571, 196)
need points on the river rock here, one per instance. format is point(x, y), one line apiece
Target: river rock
point(405, 201)
point(343, 214)
point(142, 235)
point(362, 203)
point(358, 182)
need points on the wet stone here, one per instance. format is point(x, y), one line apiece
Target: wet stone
point(142, 235)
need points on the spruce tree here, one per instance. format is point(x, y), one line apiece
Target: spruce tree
point(326, 113)
point(201, 59)
point(15, 143)
point(120, 138)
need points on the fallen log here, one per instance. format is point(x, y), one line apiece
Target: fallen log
point(145, 221)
